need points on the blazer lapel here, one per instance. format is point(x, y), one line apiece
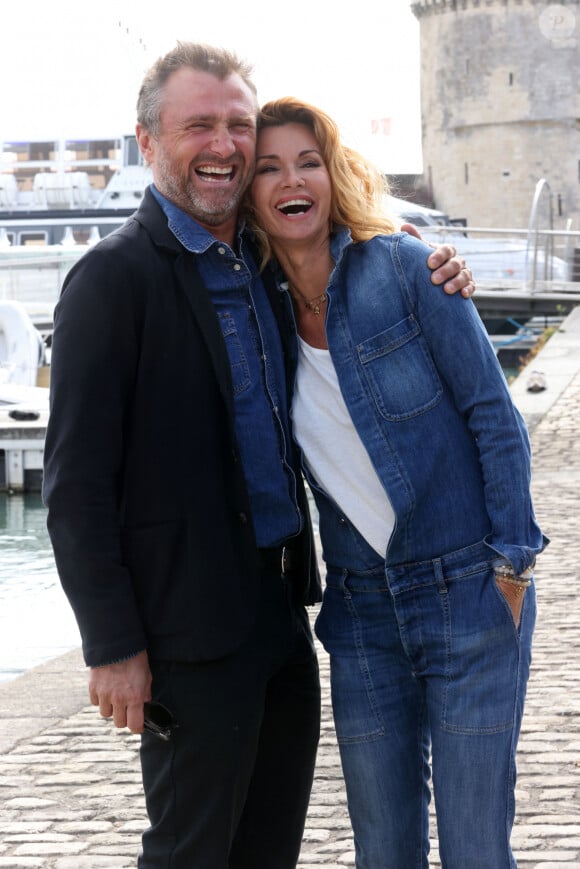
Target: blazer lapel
point(151, 216)
point(207, 320)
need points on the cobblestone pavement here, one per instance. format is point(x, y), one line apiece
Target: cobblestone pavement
point(70, 790)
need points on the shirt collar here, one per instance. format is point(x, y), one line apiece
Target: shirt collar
point(188, 231)
point(340, 239)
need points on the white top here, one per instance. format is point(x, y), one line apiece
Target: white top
point(325, 432)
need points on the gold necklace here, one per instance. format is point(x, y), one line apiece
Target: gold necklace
point(312, 304)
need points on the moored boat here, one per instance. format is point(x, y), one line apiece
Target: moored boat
point(22, 350)
point(68, 191)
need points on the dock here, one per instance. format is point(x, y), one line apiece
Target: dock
point(502, 299)
point(22, 435)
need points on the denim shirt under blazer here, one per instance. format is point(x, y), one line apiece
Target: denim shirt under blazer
point(430, 402)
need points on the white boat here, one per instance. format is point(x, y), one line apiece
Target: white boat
point(68, 191)
point(58, 198)
point(23, 355)
point(493, 254)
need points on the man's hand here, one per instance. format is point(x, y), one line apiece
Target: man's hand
point(448, 268)
point(120, 690)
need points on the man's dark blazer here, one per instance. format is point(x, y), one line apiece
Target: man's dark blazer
point(148, 508)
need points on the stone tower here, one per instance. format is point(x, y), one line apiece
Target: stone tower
point(500, 105)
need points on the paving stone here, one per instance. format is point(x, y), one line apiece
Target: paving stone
point(28, 803)
point(20, 827)
point(38, 849)
point(100, 861)
point(85, 828)
point(22, 862)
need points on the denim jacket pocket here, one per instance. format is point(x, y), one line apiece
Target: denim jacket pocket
point(399, 371)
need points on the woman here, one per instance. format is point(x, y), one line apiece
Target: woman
point(420, 467)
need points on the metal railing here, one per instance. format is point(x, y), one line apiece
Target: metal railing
point(533, 259)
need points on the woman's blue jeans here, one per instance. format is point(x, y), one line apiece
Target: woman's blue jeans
point(426, 659)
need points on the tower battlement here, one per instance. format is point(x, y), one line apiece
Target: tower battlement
point(421, 8)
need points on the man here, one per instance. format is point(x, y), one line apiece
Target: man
point(176, 507)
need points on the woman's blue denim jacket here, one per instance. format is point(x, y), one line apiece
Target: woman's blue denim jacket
point(430, 402)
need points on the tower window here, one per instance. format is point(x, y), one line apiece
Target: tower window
point(511, 79)
point(466, 173)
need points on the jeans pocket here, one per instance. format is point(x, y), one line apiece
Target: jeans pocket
point(482, 679)
point(346, 626)
point(513, 595)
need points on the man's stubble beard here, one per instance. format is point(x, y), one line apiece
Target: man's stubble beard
point(183, 192)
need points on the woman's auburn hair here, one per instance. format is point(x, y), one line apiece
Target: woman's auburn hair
point(358, 188)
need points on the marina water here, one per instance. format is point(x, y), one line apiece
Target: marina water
point(36, 622)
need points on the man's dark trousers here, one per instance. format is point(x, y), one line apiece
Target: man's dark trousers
point(231, 788)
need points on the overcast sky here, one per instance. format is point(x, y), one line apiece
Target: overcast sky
point(73, 68)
